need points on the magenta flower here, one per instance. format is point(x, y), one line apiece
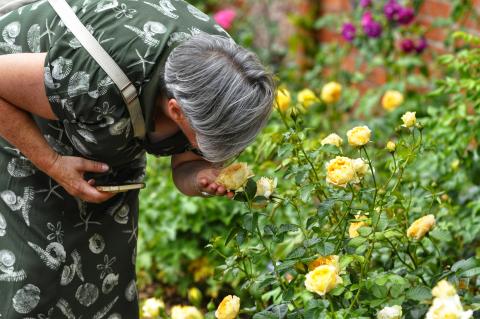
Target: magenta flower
point(407, 45)
point(365, 3)
point(406, 15)
point(421, 45)
point(372, 28)
point(225, 18)
point(349, 31)
point(392, 9)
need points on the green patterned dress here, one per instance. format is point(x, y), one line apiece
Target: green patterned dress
point(59, 256)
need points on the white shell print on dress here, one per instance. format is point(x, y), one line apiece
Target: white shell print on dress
point(197, 13)
point(53, 256)
point(78, 84)
point(16, 203)
point(165, 7)
point(3, 225)
point(87, 294)
point(96, 243)
point(49, 79)
point(150, 30)
point(20, 167)
point(178, 37)
point(121, 126)
point(79, 145)
point(109, 282)
point(115, 316)
point(121, 215)
point(65, 308)
point(26, 299)
point(103, 312)
point(69, 271)
point(11, 32)
point(106, 5)
point(7, 271)
point(102, 87)
point(131, 291)
point(61, 68)
point(87, 136)
point(33, 38)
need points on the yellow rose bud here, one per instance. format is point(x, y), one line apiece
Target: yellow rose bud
point(353, 229)
point(359, 136)
point(151, 307)
point(322, 279)
point(391, 100)
point(195, 296)
point(391, 146)
point(307, 97)
point(409, 119)
point(265, 187)
point(332, 260)
point(421, 227)
point(331, 92)
point(443, 289)
point(185, 312)
point(394, 312)
point(234, 176)
point(283, 99)
point(228, 308)
point(332, 139)
point(340, 171)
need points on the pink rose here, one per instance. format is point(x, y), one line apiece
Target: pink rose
point(225, 18)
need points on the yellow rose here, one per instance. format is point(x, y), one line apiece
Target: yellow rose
point(185, 312)
point(421, 227)
point(331, 92)
point(394, 312)
point(322, 279)
point(409, 119)
point(234, 176)
point(391, 146)
point(359, 136)
point(340, 171)
point(391, 100)
point(332, 260)
point(361, 168)
point(151, 307)
point(307, 97)
point(228, 308)
point(283, 99)
point(332, 139)
point(353, 229)
point(265, 187)
point(448, 308)
point(443, 289)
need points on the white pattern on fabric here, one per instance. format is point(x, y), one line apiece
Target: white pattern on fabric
point(61, 68)
point(9, 34)
point(106, 5)
point(87, 294)
point(20, 166)
point(78, 84)
point(7, 270)
point(26, 299)
point(103, 312)
point(150, 30)
point(142, 60)
point(33, 38)
point(53, 255)
point(65, 308)
point(109, 282)
point(96, 244)
point(69, 271)
point(51, 190)
point(165, 7)
point(16, 203)
point(197, 13)
point(123, 11)
point(102, 87)
point(106, 267)
point(131, 291)
point(3, 225)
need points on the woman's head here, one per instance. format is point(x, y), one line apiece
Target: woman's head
point(224, 91)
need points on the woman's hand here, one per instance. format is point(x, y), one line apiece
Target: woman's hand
point(205, 181)
point(68, 172)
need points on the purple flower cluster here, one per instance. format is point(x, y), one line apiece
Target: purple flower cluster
point(409, 46)
point(349, 31)
point(372, 28)
point(395, 12)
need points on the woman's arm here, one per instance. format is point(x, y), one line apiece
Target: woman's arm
point(22, 92)
point(193, 175)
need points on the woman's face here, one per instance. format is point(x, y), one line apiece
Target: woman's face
point(174, 111)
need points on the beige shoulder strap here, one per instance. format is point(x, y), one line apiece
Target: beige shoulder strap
point(129, 92)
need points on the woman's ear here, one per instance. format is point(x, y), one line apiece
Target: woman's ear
point(174, 111)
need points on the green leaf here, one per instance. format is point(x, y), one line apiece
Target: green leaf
point(231, 234)
point(419, 293)
point(470, 273)
point(296, 253)
point(465, 264)
point(285, 228)
point(251, 189)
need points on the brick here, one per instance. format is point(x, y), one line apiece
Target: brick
point(434, 8)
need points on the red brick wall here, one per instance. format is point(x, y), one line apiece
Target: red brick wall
point(429, 12)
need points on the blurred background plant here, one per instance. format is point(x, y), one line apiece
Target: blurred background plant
point(339, 64)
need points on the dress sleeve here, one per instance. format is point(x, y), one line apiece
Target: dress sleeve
point(88, 105)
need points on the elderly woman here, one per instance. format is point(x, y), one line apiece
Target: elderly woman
point(67, 249)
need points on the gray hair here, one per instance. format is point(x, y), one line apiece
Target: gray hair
point(224, 91)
